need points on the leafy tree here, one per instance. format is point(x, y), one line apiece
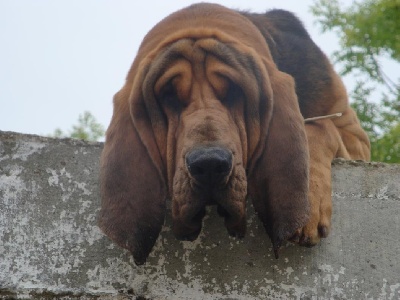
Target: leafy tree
point(387, 148)
point(87, 129)
point(369, 31)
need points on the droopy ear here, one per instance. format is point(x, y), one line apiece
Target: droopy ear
point(132, 188)
point(278, 183)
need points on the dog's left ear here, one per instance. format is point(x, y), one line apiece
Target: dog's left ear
point(278, 182)
point(133, 187)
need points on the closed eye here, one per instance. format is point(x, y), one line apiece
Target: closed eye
point(168, 97)
point(233, 94)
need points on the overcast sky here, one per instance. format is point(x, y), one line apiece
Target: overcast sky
point(61, 58)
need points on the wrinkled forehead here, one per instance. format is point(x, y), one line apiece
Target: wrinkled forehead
point(227, 61)
point(202, 22)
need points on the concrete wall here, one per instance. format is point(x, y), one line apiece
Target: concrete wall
point(50, 246)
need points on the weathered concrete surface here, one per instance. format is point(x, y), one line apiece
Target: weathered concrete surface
point(50, 246)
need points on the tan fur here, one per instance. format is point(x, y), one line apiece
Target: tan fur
point(205, 76)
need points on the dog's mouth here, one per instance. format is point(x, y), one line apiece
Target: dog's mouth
point(213, 182)
point(187, 227)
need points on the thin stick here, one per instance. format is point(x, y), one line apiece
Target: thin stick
point(323, 117)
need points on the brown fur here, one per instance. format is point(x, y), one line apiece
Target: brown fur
point(209, 76)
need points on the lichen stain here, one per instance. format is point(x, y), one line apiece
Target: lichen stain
point(24, 149)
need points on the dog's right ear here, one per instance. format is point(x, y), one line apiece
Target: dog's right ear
point(133, 190)
point(278, 183)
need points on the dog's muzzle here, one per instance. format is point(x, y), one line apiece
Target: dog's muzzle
point(210, 169)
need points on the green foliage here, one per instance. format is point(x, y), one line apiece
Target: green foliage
point(380, 121)
point(368, 31)
point(87, 129)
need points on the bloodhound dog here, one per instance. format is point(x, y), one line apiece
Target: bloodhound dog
point(213, 111)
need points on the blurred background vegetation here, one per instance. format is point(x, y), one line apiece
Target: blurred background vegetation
point(369, 31)
point(87, 128)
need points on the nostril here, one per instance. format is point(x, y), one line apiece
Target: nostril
point(222, 168)
point(196, 170)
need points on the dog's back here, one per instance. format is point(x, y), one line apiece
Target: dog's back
point(318, 87)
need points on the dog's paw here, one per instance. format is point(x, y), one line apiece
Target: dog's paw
point(318, 226)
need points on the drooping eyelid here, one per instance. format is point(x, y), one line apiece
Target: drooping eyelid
point(222, 77)
point(179, 75)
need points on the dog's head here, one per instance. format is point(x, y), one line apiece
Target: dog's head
point(203, 119)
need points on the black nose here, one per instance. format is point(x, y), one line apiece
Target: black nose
point(209, 165)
